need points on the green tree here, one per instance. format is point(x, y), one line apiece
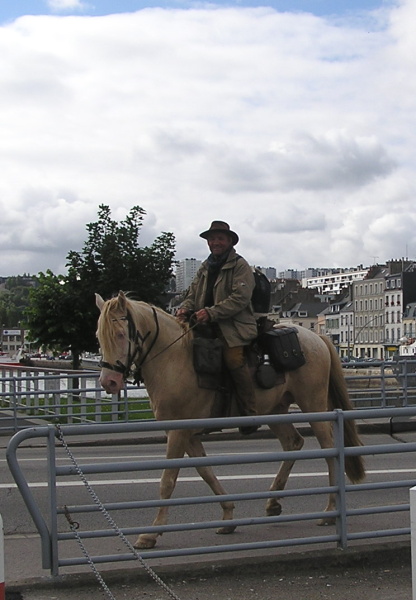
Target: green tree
point(14, 299)
point(62, 312)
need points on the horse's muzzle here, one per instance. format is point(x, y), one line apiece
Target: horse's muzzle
point(111, 381)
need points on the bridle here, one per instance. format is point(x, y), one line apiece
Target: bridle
point(136, 341)
point(136, 344)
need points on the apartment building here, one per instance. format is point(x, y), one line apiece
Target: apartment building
point(369, 315)
point(409, 323)
point(12, 340)
point(336, 281)
point(186, 270)
point(339, 325)
point(372, 325)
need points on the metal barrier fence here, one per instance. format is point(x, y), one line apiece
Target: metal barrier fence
point(69, 397)
point(50, 527)
point(74, 397)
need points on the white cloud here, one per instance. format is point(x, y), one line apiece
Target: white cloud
point(66, 5)
point(296, 129)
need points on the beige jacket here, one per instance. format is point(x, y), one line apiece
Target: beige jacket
point(232, 308)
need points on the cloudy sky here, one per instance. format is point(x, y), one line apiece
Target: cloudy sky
point(292, 120)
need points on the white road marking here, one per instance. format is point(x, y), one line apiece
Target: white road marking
point(193, 479)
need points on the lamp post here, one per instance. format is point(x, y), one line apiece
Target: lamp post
point(362, 328)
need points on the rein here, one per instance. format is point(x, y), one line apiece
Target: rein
point(137, 340)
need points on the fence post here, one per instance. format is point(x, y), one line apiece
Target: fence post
point(2, 591)
point(413, 537)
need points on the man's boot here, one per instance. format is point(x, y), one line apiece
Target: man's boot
point(245, 394)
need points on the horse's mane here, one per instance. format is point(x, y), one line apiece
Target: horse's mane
point(109, 325)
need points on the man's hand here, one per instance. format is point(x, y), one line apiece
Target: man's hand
point(182, 314)
point(202, 316)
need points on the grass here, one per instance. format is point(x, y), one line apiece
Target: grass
point(69, 409)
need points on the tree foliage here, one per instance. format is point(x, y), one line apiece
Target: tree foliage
point(62, 312)
point(14, 299)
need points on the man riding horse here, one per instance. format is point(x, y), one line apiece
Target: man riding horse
point(220, 297)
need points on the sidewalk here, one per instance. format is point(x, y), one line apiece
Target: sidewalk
point(378, 572)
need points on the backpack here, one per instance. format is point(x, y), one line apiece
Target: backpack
point(260, 299)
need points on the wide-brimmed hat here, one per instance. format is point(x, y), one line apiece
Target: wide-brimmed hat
point(220, 227)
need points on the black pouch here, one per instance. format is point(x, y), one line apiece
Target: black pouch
point(266, 376)
point(207, 355)
point(282, 346)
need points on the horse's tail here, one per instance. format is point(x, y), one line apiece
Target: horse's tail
point(339, 398)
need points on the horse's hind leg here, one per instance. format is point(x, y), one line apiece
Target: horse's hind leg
point(323, 433)
point(290, 439)
point(195, 448)
point(176, 445)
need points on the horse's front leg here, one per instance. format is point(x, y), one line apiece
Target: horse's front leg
point(176, 443)
point(196, 448)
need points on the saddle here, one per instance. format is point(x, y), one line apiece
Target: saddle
point(274, 352)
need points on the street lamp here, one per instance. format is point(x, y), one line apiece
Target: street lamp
point(362, 328)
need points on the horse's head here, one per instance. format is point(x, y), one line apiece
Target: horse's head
point(115, 335)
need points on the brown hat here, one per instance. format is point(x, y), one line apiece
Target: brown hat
point(220, 227)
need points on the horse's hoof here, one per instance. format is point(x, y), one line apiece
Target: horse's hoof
point(274, 511)
point(144, 542)
point(226, 530)
point(326, 521)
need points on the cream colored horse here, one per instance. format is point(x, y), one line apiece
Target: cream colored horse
point(135, 332)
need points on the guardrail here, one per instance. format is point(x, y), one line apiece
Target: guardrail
point(74, 397)
point(68, 397)
point(50, 526)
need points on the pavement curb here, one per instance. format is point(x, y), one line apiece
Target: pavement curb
point(388, 555)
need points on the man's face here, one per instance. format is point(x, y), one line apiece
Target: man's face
point(219, 243)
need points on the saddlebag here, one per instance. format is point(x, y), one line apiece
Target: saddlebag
point(282, 346)
point(207, 355)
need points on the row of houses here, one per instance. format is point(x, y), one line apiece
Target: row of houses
point(369, 317)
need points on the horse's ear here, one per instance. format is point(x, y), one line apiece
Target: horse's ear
point(122, 300)
point(99, 301)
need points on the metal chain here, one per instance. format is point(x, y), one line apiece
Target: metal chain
point(111, 522)
point(74, 526)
